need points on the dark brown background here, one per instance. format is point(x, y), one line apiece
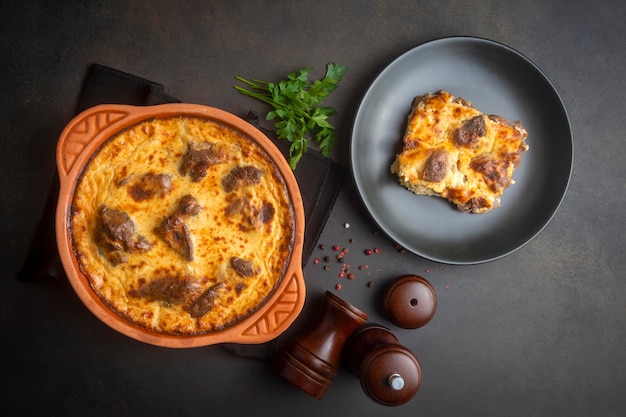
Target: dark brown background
point(541, 332)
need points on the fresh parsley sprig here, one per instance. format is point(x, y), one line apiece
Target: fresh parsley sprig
point(297, 108)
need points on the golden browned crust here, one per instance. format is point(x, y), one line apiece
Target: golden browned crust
point(452, 150)
point(182, 225)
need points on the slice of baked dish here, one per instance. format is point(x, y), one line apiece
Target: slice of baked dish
point(454, 151)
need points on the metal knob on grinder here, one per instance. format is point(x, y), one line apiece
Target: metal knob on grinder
point(390, 374)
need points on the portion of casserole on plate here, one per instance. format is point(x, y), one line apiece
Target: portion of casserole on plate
point(454, 151)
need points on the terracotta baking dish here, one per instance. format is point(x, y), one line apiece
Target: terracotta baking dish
point(82, 137)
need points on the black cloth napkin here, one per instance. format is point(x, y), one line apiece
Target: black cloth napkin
point(105, 85)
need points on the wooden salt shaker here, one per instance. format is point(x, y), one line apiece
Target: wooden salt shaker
point(312, 360)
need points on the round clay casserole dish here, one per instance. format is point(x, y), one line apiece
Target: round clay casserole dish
point(179, 225)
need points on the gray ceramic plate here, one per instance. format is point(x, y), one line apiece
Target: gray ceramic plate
point(497, 80)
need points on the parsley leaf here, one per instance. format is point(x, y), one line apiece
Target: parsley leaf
point(296, 108)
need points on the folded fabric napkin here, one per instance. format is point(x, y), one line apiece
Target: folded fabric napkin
point(105, 85)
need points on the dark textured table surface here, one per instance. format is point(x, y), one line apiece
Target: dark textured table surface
point(541, 332)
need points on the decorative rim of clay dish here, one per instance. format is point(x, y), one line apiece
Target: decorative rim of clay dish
point(81, 138)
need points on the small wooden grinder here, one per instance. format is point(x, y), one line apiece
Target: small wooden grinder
point(311, 362)
point(389, 373)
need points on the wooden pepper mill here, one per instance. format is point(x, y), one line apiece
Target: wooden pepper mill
point(389, 373)
point(312, 360)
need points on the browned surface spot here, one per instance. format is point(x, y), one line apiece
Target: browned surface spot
point(203, 304)
point(436, 166)
point(470, 131)
point(150, 185)
point(474, 204)
point(175, 233)
point(188, 206)
point(244, 267)
point(463, 102)
point(494, 172)
point(500, 120)
point(117, 257)
point(266, 214)
point(167, 288)
point(115, 231)
point(239, 288)
point(241, 177)
point(456, 194)
point(410, 144)
point(243, 211)
point(237, 206)
point(198, 159)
